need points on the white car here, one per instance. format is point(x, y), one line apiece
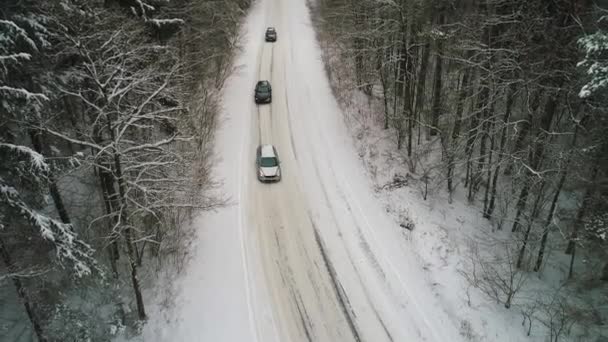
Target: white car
point(268, 164)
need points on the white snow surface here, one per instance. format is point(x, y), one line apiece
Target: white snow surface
point(314, 257)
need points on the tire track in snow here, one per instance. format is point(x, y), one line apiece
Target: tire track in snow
point(271, 227)
point(253, 325)
point(293, 145)
point(350, 257)
point(363, 243)
point(363, 287)
point(245, 250)
point(392, 268)
point(290, 241)
point(270, 80)
point(338, 289)
point(303, 316)
point(256, 106)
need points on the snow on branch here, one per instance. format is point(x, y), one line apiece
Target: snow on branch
point(164, 22)
point(69, 249)
point(19, 32)
point(29, 273)
point(143, 7)
point(595, 47)
point(72, 140)
point(156, 145)
point(597, 226)
point(35, 158)
point(15, 57)
point(35, 22)
point(23, 93)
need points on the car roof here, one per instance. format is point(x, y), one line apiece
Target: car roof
point(267, 151)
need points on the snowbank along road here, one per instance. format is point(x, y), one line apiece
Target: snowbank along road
point(318, 258)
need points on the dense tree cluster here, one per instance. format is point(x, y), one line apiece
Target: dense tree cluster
point(511, 94)
point(113, 100)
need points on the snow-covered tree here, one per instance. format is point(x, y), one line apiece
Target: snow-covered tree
point(517, 118)
point(25, 226)
point(129, 93)
point(595, 61)
point(122, 95)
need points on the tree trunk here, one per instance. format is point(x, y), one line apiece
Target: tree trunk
point(409, 85)
point(436, 109)
point(582, 211)
point(521, 204)
point(464, 92)
point(605, 272)
point(543, 240)
point(12, 271)
point(108, 193)
point(396, 88)
point(560, 185)
point(399, 127)
point(384, 82)
point(473, 133)
point(437, 83)
point(571, 268)
point(404, 96)
point(128, 231)
point(67, 105)
point(58, 201)
point(486, 106)
point(486, 129)
point(503, 139)
point(359, 48)
point(489, 178)
point(110, 198)
point(524, 129)
point(421, 85)
point(129, 242)
point(36, 137)
point(536, 156)
point(535, 210)
point(128, 234)
point(141, 312)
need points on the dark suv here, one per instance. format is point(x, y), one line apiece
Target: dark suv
point(271, 34)
point(263, 92)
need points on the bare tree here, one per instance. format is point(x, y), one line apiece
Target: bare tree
point(496, 276)
point(132, 106)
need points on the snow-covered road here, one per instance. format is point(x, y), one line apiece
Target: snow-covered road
point(314, 257)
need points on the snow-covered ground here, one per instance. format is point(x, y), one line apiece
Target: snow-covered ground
point(318, 256)
point(445, 232)
point(442, 230)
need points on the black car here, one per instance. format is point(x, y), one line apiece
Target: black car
point(263, 92)
point(271, 34)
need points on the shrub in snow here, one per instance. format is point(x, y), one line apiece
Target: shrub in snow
point(494, 274)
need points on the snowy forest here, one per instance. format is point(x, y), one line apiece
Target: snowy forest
point(106, 115)
point(500, 104)
point(108, 110)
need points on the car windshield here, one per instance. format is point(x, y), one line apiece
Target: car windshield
point(263, 88)
point(268, 162)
